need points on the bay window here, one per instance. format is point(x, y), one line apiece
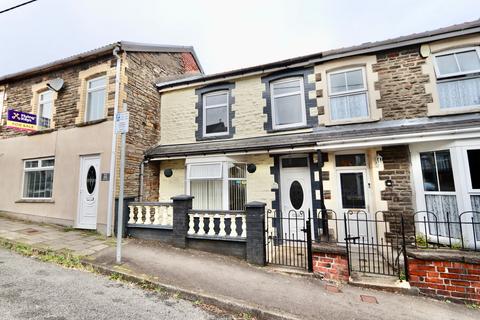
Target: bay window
point(38, 178)
point(440, 196)
point(217, 185)
point(458, 78)
point(348, 94)
point(288, 103)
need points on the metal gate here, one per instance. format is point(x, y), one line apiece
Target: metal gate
point(372, 246)
point(289, 239)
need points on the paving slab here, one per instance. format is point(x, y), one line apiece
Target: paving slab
point(305, 297)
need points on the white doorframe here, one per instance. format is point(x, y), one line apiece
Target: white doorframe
point(87, 203)
point(307, 188)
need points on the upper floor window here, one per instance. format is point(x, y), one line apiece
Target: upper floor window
point(215, 113)
point(45, 109)
point(96, 92)
point(38, 178)
point(458, 75)
point(288, 103)
point(348, 94)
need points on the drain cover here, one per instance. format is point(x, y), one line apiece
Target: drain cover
point(30, 231)
point(331, 288)
point(368, 299)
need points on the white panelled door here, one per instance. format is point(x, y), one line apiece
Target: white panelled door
point(296, 195)
point(88, 192)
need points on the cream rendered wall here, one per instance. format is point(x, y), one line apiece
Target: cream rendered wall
point(259, 183)
point(248, 107)
point(66, 146)
point(174, 185)
point(177, 119)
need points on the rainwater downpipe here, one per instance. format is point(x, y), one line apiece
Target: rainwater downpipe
point(111, 185)
point(141, 178)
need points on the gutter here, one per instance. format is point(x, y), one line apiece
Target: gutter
point(111, 185)
point(399, 139)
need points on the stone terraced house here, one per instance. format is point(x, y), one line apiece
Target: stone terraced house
point(391, 127)
point(61, 172)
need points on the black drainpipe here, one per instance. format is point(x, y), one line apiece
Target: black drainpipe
point(322, 198)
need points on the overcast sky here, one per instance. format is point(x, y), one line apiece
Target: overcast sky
point(226, 34)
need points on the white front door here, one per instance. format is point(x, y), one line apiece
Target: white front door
point(296, 195)
point(88, 192)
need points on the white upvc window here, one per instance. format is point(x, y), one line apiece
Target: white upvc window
point(217, 185)
point(96, 96)
point(38, 178)
point(348, 96)
point(458, 78)
point(2, 96)
point(45, 109)
point(215, 113)
point(288, 103)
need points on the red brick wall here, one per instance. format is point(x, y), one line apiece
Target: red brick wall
point(331, 266)
point(455, 281)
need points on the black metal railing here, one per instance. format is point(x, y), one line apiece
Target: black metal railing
point(371, 245)
point(289, 238)
point(446, 230)
point(377, 243)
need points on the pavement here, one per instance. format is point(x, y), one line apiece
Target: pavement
point(30, 289)
point(234, 285)
point(45, 236)
point(296, 297)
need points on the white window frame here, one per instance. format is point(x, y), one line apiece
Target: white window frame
point(348, 92)
point(41, 102)
point(302, 99)
point(89, 90)
point(39, 168)
point(460, 169)
point(205, 107)
point(223, 176)
point(454, 52)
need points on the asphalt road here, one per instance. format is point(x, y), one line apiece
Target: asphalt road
point(30, 289)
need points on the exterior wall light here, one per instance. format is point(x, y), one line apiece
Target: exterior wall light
point(251, 168)
point(168, 172)
point(379, 160)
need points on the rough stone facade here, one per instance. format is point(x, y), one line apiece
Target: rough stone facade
point(401, 82)
point(20, 95)
point(143, 71)
point(396, 162)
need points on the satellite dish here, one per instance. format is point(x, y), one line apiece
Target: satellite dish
point(55, 84)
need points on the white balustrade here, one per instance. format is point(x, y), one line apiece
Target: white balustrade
point(141, 213)
point(199, 220)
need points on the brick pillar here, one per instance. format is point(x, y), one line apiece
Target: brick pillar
point(255, 215)
point(181, 205)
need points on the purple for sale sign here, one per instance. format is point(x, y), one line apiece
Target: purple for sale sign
point(21, 120)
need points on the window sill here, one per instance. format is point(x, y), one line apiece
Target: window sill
point(43, 131)
point(453, 111)
point(90, 123)
point(289, 129)
point(218, 137)
point(347, 122)
point(35, 201)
